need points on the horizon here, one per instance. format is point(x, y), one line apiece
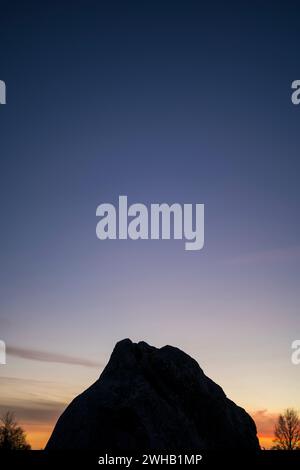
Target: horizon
point(38, 433)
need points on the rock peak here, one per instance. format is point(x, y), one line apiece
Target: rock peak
point(153, 399)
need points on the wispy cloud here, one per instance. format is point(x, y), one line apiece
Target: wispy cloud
point(268, 256)
point(38, 411)
point(34, 401)
point(46, 356)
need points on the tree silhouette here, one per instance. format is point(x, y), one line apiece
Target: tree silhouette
point(287, 431)
point(12, 436)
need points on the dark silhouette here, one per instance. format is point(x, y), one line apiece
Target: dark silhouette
point(12, 436)
point(153, 399)
point(287, 431)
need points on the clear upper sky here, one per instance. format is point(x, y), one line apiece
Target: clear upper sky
point(164, 102)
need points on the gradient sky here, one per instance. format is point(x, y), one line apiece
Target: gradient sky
point(164, 102)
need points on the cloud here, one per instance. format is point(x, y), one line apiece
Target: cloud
point(38, 411)
point(23, 381)
point(34, 401)
point(46, 356)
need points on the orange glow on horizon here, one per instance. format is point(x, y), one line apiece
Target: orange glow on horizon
point(266, 442)
point(38, 435)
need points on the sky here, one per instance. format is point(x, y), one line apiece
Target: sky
point(183, 102)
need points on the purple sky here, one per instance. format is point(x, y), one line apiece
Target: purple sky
point(180, 103)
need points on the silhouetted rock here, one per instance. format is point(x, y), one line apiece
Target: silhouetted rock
point(153, 399)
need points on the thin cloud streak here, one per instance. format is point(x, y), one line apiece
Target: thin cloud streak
point(46, 356)
point(34, 411)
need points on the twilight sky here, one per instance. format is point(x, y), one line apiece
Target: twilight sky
point(163, 102)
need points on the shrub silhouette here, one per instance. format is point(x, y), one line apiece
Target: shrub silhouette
point(12, 436)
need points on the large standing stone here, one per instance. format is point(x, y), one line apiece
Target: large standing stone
point(153, 399)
